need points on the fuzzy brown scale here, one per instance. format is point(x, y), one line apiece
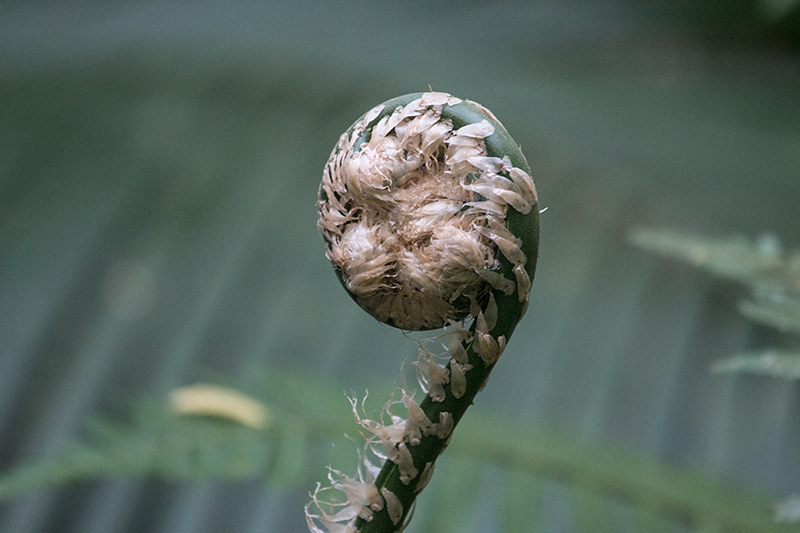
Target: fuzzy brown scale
point(395, 204)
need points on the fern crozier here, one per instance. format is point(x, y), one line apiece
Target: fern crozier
point(430, 219)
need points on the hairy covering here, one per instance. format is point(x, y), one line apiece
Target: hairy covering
point(412, 210)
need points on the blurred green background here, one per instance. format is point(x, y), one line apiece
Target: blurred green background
point(159, 163)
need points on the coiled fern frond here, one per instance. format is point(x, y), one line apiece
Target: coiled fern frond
point(431, 220)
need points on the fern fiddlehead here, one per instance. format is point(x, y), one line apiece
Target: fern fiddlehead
point(431, 220)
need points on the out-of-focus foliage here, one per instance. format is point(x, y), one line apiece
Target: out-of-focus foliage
point(157, 442)
point(771, 274)
point(770, 362)
point(738, 20)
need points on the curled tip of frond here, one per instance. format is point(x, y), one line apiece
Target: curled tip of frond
point(413, 210)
